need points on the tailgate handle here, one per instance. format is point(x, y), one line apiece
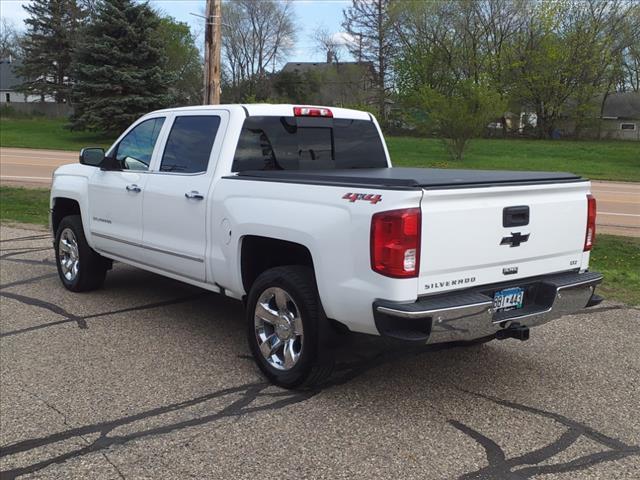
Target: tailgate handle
point(515, 216)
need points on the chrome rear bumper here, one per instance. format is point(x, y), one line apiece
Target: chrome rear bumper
point(469, 315)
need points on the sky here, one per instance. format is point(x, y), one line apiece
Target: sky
point(309, 15)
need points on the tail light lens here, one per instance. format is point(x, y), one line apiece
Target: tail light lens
point(395, 243)
point(590, 236)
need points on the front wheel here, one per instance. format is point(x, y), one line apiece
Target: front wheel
point(79, 266)
point(284, 317)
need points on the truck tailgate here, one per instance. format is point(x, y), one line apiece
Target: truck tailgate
point(479, 236)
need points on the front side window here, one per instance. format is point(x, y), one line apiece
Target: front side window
point(305, 143)
point(189, 144)
point(135, 149)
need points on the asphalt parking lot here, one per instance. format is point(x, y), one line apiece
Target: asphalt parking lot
point(149, 378)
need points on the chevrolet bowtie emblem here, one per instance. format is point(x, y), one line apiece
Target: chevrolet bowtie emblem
point(515, 239)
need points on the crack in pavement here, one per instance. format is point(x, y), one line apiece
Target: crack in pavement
point(240, 403)
point(501, 467)
point(28, 280)
point(240, 407)
point(65, 421)
point(82, 320)
point(52, 307)
point(14, 253)
point(42, 236)
point(498, 465)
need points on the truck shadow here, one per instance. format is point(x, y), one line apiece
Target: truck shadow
point(356, 356)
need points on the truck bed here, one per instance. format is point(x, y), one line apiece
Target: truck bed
point(410, 178)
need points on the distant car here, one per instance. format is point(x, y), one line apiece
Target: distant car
point(297, 211)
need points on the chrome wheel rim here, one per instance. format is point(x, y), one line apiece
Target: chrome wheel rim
point(68, 255)
point(278, 328)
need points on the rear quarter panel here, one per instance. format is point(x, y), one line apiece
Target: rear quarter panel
point(334, 230)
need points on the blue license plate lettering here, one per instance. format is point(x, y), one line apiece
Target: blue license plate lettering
point(508, 299)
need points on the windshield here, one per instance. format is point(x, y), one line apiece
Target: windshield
point(306, 143)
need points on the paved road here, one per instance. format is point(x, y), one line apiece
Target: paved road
point(618, 206)
point(149, 378)
point(618, 203)
point(30, 166)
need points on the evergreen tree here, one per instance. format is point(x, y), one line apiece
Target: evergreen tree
point(118, 68)
point(48, 44)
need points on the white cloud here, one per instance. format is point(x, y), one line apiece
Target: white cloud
point(343, 38)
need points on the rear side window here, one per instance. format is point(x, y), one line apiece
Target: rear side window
point(307, 143)
point(189, 144)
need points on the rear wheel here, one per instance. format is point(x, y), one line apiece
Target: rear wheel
point(284, 318)
point(79, 266)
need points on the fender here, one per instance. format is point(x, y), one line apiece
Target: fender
point(72, 182)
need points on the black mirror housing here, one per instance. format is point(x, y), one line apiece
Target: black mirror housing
point(92, 156)
point(110, 164)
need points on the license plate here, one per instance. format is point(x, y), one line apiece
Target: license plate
point(509, 299)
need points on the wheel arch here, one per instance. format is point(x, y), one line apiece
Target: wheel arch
point(259, 254)
point(63, 207)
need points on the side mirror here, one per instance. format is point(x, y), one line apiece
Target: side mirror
point(92, 156)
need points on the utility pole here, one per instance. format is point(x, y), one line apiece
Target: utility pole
point(212, 43)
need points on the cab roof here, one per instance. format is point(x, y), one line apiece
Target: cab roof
point(267, 109)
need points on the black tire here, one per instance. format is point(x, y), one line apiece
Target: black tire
point(315, 363)
point(92, 267)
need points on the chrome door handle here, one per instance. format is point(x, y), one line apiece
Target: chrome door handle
point(133, 188)
point(194, 195)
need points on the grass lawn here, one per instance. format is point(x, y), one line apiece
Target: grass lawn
point(24, 205)
point(598, 160)
point(618, 258)
point(605, 160)
point(46, 133)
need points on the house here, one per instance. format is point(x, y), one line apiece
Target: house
point(10, 81)
point(26, 103)
point(621, 116)
point(614, 116)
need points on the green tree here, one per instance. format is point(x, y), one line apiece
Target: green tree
point(567, 53)
point(294, 87)
point(458, 116)
point(447, 67)
point(183, 66)
point(119, 68)
point(48, 46)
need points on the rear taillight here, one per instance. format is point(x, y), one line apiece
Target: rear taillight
point(395, 243)
point(590, 236)
point(312, 112)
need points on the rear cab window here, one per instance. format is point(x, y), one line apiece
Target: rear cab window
point(308, 143)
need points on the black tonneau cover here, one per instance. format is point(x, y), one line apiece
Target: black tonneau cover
point(410, 178)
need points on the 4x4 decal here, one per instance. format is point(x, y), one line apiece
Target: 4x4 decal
point(368, 197)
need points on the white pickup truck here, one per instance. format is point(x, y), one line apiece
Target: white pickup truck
point(298, 212)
